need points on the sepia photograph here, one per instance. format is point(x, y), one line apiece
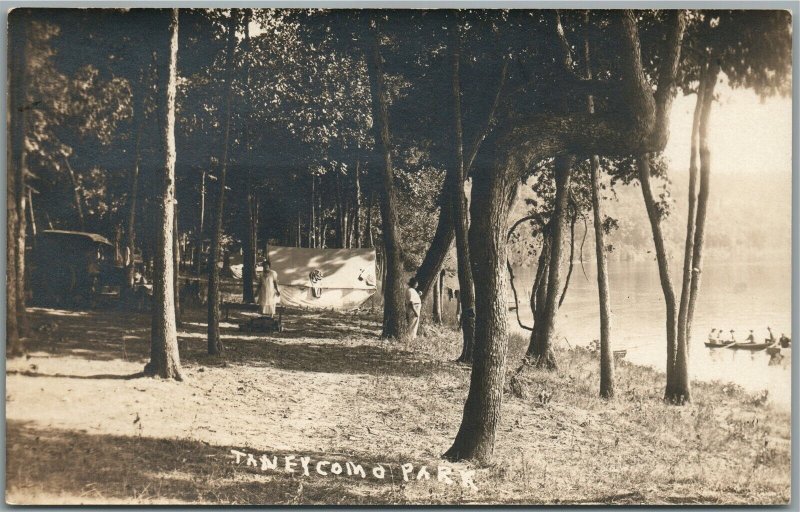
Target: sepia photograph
point(394, 256)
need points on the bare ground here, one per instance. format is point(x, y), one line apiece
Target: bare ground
point(83, 426)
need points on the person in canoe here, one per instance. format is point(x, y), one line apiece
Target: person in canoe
point(733, 337)
point(713, 337)
point(771, 339)
point(785, 341)
point(751, 337)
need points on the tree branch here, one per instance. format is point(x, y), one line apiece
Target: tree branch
point(534, 216)
point(479, 138)
point(516, 300)
point(667, 73)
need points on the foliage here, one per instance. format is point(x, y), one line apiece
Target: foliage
point(302, 109)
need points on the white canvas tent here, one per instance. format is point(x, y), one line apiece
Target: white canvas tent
point(348, 276)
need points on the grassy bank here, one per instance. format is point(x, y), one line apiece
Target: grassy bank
point(84, 428)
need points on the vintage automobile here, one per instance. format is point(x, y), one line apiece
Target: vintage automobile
point(73, 268)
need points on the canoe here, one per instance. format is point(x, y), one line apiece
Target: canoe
point(750, 346)
point(711, 344)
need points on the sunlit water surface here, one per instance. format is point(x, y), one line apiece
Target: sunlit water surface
point(739, 296)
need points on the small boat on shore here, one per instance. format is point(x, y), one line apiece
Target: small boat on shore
point(720, 344)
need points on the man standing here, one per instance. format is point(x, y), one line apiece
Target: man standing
point(413, 306)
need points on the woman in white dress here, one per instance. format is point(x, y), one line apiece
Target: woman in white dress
point(268, 290)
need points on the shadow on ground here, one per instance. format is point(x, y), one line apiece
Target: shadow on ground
point(104, 467)
point(328, 342)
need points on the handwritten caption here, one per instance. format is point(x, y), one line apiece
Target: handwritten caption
point(305, 466)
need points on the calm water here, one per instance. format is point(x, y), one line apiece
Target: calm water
point(740, 296)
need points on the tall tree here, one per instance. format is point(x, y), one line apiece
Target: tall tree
point(394, 321)
point(541, 346)
point(249, 245)
point(606, 355)
point(139, 117)
point(16, 106)
point(459, 206)
point(215, 346)
point(164, 357)
point(16, 193)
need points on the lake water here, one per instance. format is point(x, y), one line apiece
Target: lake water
point(739, 296)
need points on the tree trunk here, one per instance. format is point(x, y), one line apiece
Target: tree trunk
point(606, 354)
point(13, 339)
point(322, 223)
point(460, 214)
point(341, 228)
point(394, 321)
point(16, 146)
point(490, 207)
point(695, 235)
point(572, 219)
point(249, 249)
point(298, 239)
point(76, 189)
point(442, 239)
point(130, 242)
point(541, 274)
point(176, 250)
point(201, 226)
point(672, 393)
point(215, 346)
point(164, 357)
point(539, 292)
point(30, 210)
point(680, 378)
point(542, 351)
point(345, 209)
point(370, 240)
point(436, 315)
point(702, 198)
point(16, 318)
point(312, 221)
point(21, 228)
point(357, 217)
point(256, 222)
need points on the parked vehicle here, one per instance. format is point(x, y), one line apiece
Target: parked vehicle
point(73, 268)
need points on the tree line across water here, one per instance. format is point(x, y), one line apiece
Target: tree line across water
point(359, 128)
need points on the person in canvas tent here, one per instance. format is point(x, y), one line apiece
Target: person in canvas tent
point(267, 290)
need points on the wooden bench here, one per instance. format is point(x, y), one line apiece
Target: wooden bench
point(240, 306)
point(260, 323)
